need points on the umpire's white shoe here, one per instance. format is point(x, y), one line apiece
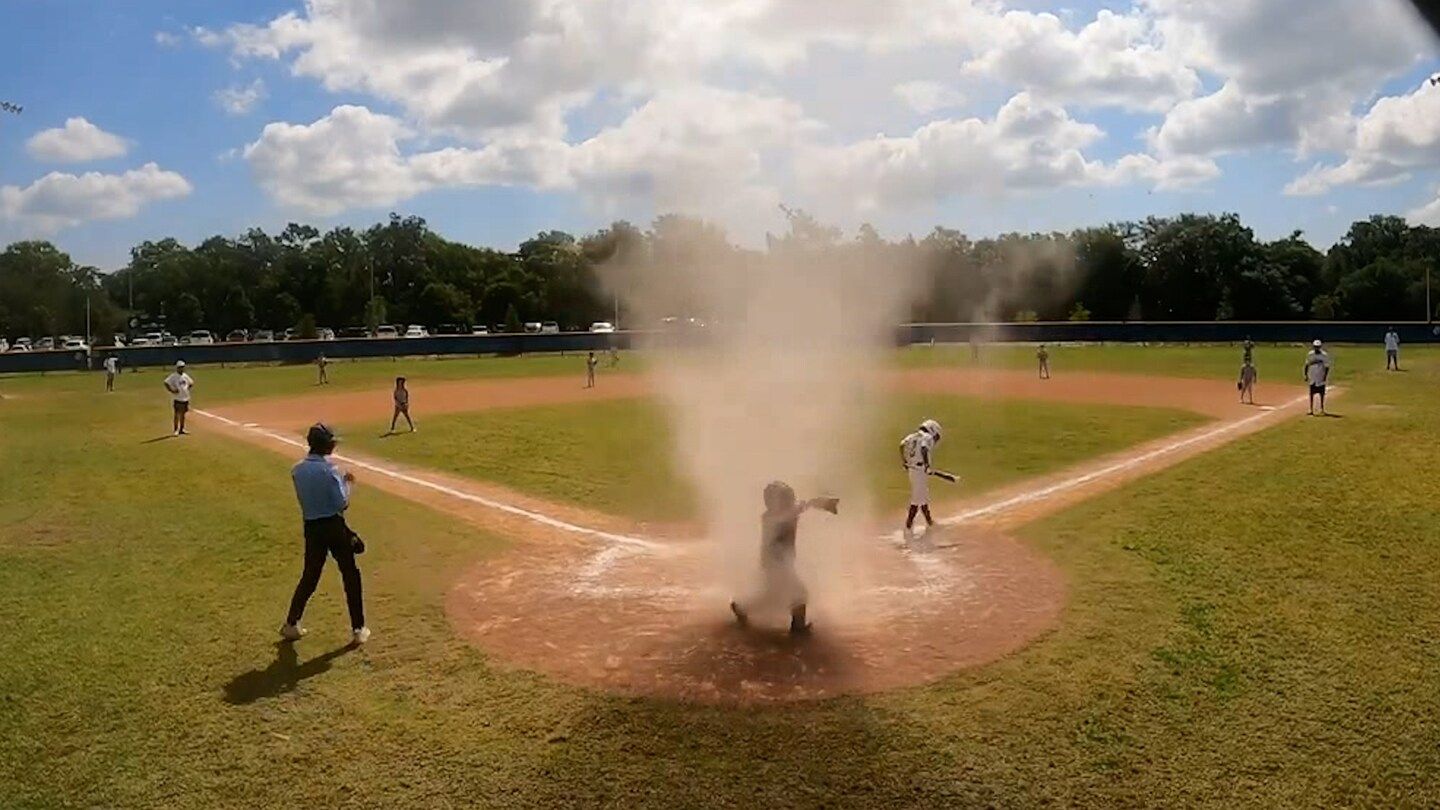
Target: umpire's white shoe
point(360, 635)
point(292, 632)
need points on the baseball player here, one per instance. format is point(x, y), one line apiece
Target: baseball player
point(324, 495)
point(614, 357)
point(1317, 373)
point(1246, 384)
point(321, 362)
point(590, 363)
point(916, 451)
point(1392, 350)
point(780, 584)
point(1043, 355)
point(112, 367)
point(179, 384)
point(1249, 347)
point(402, 405)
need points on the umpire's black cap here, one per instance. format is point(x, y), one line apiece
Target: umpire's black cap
point(320, 436)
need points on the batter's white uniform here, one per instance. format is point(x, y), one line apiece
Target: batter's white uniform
point(916, 449)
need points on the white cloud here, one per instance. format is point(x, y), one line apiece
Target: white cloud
point(926, 97)
point(1028, 145)
point(76, 142)
point(57, 201)
point(1291, 70)
point(168, 39)
point(1398, 135)
point(673, 150)
point(239, 100)
point(1427, 214)
point(353, 158)
point(513, 87)
point(1116, 60)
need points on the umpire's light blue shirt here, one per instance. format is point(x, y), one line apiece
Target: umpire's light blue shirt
point(320, 487)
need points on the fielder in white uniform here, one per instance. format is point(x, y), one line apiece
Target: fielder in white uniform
point(1317, 374)
point(916, 451)
point(1392, 350)
point(179, 385)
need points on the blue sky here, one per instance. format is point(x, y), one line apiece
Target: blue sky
point(494, 121)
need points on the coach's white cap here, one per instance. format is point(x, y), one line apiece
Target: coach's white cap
point(1316, 344)
point(181, 363)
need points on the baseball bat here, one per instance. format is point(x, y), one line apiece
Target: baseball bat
point(945, 476)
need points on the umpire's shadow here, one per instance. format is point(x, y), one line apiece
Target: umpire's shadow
point(283, 675)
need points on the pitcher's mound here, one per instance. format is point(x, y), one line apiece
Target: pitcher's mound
point(623, 619)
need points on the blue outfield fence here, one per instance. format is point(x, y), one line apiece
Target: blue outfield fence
point(1167, 332)
point(305, 351)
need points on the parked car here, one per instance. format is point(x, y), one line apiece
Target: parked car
point(550, 328)
point(386, 332)
point(532, 327)
point(479, 329)
point(325, 333)
point(167, 339)
point(602, 327)
point(450, 329)
point(19, 347)
point(201, 337)
point(351, 332)
point(237, 336)
point(4, 345)
point(75, 344)
point(44, 344)
point(24, 341)
point(416, 331)
point(263, 336)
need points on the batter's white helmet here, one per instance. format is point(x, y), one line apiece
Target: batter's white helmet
point(932, 427)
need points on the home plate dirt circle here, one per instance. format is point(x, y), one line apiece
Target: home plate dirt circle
point(630, 619)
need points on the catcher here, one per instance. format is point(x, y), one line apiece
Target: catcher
point(780, 584)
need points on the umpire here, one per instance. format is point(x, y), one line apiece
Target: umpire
point(324, 494)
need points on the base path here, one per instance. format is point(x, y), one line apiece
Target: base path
point(596, 600)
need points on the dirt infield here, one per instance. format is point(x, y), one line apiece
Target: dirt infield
point(435, 398)
point(594, 600)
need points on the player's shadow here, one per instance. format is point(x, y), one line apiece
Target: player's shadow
point(159, 438)
point(283, 675)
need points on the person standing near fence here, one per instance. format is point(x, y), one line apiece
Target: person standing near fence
point(1043, 355)
point(1317, 374)
point(112, 367)
point(1392, 350)
point(324, 495)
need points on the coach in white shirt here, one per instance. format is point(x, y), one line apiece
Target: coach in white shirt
point(1317, 374)
point(179, 385)
point(1392, 350)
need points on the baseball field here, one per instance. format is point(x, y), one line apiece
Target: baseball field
point(1141, 592)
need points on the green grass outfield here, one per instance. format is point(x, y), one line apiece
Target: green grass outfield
point(618, 452)
point(1257, 626)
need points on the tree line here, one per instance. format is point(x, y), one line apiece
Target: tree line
point(1188, 267)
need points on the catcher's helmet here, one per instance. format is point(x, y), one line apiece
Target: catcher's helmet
point(932, 427)
point(779, 495)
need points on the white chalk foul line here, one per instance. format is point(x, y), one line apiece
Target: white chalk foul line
point(509, 509)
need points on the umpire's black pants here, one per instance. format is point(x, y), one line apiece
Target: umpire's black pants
point(328, 536)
